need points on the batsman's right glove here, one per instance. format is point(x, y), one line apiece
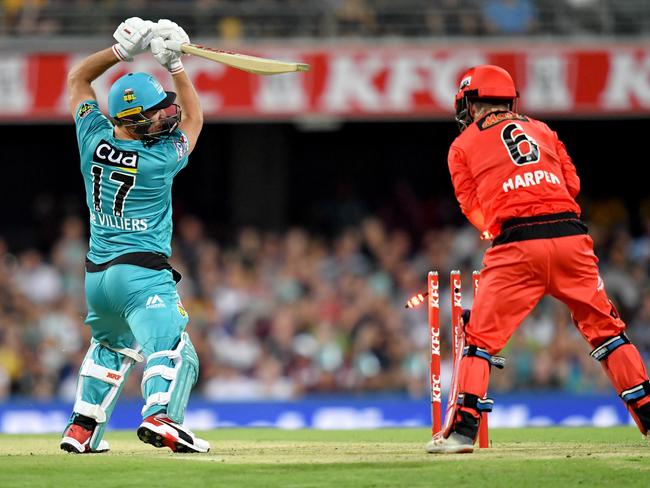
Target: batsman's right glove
point(166, 46)
point(171, 31)
point(165, 56)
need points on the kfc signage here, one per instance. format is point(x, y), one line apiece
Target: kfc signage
point(388, 82)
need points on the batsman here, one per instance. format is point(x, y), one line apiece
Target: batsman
point(128, 161)
point(516, 183)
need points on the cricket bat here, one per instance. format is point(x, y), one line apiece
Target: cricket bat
point(244, 62)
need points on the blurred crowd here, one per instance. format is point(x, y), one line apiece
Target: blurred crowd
point(236, 19)
point(278, 315)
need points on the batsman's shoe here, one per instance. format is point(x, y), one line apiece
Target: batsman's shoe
point(160, 431)
point(76, 439)
point(454, 444)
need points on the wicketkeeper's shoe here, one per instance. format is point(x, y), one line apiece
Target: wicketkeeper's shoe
point(160, 431)
point(454, 444)
point(76, 439)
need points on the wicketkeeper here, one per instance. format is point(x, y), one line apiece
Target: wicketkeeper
point(516, 183)
point(128, 161)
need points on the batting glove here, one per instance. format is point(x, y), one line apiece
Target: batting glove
point(133, 37)
point(169, 58)
point(173, 33)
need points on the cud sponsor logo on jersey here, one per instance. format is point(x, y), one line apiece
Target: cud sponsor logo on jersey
point(110, 155)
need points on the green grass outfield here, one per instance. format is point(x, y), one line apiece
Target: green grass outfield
point(540, 457)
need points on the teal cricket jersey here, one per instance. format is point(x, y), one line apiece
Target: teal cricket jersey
point(128, 187)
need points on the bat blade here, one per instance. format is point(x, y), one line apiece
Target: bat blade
point(244, 62)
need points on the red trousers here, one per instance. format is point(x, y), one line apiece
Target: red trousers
point(516, 276)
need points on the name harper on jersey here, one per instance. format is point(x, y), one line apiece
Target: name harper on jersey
point(120, 223)
point(530, 178)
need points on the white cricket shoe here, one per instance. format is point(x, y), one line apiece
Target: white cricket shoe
point(454, 444)
point(160, 431)
point(76, 439)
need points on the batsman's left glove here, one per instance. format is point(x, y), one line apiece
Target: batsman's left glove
point(133, 37)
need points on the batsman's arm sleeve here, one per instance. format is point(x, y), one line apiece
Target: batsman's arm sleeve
point(84, 73)
point(89, 120)
point(464, 185)
point(568, 169)
point(476, 217)
point(192, 118)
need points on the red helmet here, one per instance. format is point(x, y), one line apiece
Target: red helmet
point(485, 82)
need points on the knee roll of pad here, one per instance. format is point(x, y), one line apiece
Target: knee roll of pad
point(496, 361)
point(609, 346)
point(182, 377)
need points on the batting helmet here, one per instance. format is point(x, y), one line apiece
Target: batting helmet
point(135, 93)
point(486, 83)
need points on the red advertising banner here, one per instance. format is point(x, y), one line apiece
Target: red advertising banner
point(387, 82)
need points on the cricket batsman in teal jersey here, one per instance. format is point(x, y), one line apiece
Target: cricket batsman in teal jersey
point(128, 161)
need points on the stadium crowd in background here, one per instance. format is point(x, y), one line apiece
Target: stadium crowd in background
point(235, 19)
point(280, 315)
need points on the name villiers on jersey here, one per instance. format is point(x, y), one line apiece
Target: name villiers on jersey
point(530, 178)
point(118, 222)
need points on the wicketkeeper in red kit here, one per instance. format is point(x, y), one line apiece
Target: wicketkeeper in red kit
point(516, 183)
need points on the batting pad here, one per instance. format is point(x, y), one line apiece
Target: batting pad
point(101, 379)
point(180, 370)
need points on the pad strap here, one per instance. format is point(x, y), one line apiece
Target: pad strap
point(474, 402)
point(497, 361)
point(168, 354)
point(165, 371)
point(94, 370)
point(131, 353)
point(160, 370)
point(161, 398)
point(89, 410)
point(609, 346)
point(633, 394)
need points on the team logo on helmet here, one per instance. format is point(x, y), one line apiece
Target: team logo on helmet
point(129, 96)
point(465, 82)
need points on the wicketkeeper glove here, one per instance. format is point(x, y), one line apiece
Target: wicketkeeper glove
point(133, 37)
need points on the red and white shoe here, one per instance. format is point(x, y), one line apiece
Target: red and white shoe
point(76, 440)
point(454, 444)
point(160, 431)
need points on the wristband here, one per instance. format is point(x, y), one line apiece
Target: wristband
point(121, 54)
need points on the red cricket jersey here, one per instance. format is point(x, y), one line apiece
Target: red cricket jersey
point(508, 165)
